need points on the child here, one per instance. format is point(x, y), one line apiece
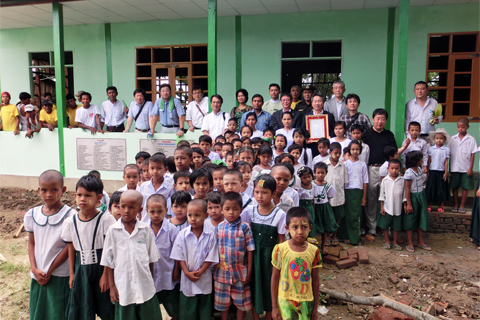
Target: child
point(279, 145)
point(287, 130)
point(346, 153)
point(48, 254)
point(217, 176)
point(229, 160)
point(84, 234)
point(183, 158)
point(220, 139)
point(146, 176)
point(226, 147)
point(156, 185)
point(237, 144)
point(9, 116)
point(246, 154)
point(416, 214)
point(217, 147)
point(181, 182)
point(268, 226)
point(356, 131)
point(462, 151)
point(389, 153)
point(232, 125)
point(246, 132)
point(180, 201)
point(269, 133)
point(323, 146)
point(206, 144)
point(300, 137)
point(131, 176)
point(337, 176)
point(246, 169)
point(264, 158)
point(140, 157)
point(48, 118)
point(33, 123)
point(232, 181)
point(227, 134)
point(130, 252)
point(103, 204)
point(296, 151)
point(355, 195)
point(196, 250)
point(114, 205)
point(246, 142)
point(307, 192)
point(171, 168)
point(256, 143)
point(88, 117)
point(214, 210)
point(340, 129)
point(233, 137)
point(234, 271)
point(437, 185)
point(295, 265)
point(282, 173)
point(392, 197)
point(251, 121)
point(416, 144)
point(201, 181)
point(197, 158)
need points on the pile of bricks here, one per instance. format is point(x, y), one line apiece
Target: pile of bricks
point(344, 259)
point(450, 222)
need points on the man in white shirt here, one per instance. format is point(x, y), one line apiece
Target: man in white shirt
point(337, 106)
point(274, 103)
point(88, 116)
point(197, 110)
point(143, 112)
point(216, 122)
point(113, 113)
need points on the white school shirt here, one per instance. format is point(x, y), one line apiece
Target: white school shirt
point(275, 154)
point(318, 159)
point(209, 225)
point(337, 176)
point(87, 116)
point(357, 174)
point(344, 144)
point(276, 218)
point(113, 114)
point(437, 157)
point(248, 191)
point(194, 115)
point(213, 156)
point(383, 171)
point(181, 226)
point(418, 145)
point(307, 194)
point(86, 230)
point(416, 178)
point(461, 152)
point(163, 268)
point(47, 232)
point(294, 194)
point(257, 134)
point(365, 153)
point(288, 134)
point(286, 202)
point(301, 160)
point(125, 188)
point(195, 252)
point(215, 124)
point(320, 189)
point(146, 189)
point(392, 193)
point(130, 256)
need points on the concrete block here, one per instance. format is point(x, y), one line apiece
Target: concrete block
point(343, 255)
point(363, 257)
point(334, 251)
point(352, 251)
point(344, 264)
point(330, 259)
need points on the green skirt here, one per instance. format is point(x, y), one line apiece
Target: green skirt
point(418, 219)
point(350, 224)
point(387, 221)
point(324, 213)
point(198, 307)
point(49, 302)
point(338, 212)
point(308, 204)
point(475, 222)
point(143, 311)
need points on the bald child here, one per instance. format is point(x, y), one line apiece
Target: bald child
point(129, 252)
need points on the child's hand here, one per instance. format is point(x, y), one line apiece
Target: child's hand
point(103, 283)
point(469, 172)
point(29, 133)
point(249, 277)
point(114, 294)
point(50, 127)
point(364, 202)
point(16, 131)
point(198, 273)
point(70, 281)
point(191, 276)
point(276, 314)
point(42, 278)
point(407, 142)
point(93, 130)
point(445, 176)
point(425, 169)
point(176, 274)
point(382, 211)
point(409, 208)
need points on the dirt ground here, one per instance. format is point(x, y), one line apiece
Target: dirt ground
point(449, 274)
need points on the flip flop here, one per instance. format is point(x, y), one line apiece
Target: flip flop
point(397, 247)
point(425, 247)
point(328, 243)
point(410, 249)
point(441, 210)
point(334, 243)
point(463, 210)
point(429, 209)
point(455, 210)
point(387, 246)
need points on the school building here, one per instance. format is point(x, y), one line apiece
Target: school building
point(379, 48)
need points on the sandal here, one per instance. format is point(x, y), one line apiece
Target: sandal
point(429, 209)
point(425, 247)
point(455, 210)
point(441, 210)
point(328, 243)
point(410, 249)
point(462, 210)
point(397, 247)
point(334, 243)
point(387, 246)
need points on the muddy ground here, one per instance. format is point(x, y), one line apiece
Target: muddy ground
point(449, 274)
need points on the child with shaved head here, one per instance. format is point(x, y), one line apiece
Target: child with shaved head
point(129, 254)
point(47, 252)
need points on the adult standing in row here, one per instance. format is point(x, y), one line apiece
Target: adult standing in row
point(171, 112)
point(113, 113)
point(353, 116)
point(286, 100)
point(216, 122)
point(237, 112)
point(197, 110)
point(143, 112)
point(273, 104)
point(295, 92)
point(305, 105)
point(264, 119)
point(337, 106)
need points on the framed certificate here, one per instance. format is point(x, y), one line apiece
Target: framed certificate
point(317, 125)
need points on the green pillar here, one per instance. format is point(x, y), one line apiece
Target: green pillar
point(212, 49)
point(238, 53)
point(389, 66)
point(108, 51)
point(58, 49)
point(402, 70)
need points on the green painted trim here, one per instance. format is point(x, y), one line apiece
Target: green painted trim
point(59, 50)
point(238, 53)
point(402, 70)
point(389, 67)
point(212, 49)
point(108, 52)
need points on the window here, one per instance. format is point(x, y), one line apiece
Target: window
point(453, 73)
point(42, 73)
point(317, 63)
point(183, 67)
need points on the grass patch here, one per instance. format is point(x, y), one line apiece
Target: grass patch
point(10, 268)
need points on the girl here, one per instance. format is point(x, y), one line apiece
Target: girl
point(323, 145)
point(237, 112)
point(180, 200)
point(264, 157)
point(416, 213)
point(300, 136)
point(285, 157)
point(437, 185)
point(287, 130)
point(246, 170)
point(246, 154)
point(306, 192)
point(340, 129)
point(295, 150)
point(355, 195)
point(246, 142)
point(114, 205)
point(197, 158)
point(324, 218)
point(279, 145)
point(251, 121)
point(268, 227)
point(246, 132)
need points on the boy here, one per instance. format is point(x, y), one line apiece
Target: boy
point(114, 205)
point(227, 134)
point(389, 153)
point(197, 157)
point(140, 157)
point(237, 144)
point(256, 143)
point(196, 250)
point(113, 113)
point(337, 176)
point(48, 254)
point(392, 198)
point(179, 201)
point(206, 144)
point(71, 110)
point(229, 160)
point(131, 175)
point(9, 115)
point(462, 152)
point(292, 255)
point(356, 134)
point(227, 147)
point(217, 147)
point(232, 125)
point(183, 158)
point(85, 234)
point(156, 185)
point(233, 137)
point(166, 271)
point(214, 210)
point(202, 182)
point(217, 176)
point(88, 117)
point(282, 175)
point(234, 271)
point(220, 139)
point(171, 168)
point(103, 204)
point(181, 182)
point(130, 252)
point(146, 176)
point(415, 144)
point(24, 100)
point(232, 182)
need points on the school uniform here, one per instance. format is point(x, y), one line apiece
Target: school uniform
point(125, 188)
point(419, 217)
point(343, 144)
point(301, 160)
point(294, 194)
point(209, 225)
point(287, 134)
point(392, 193)
point(195, 297)
point(180, 226)
point(275, 154)
point(324, 216)
point(383, 171)
point(437, 189)
point(318, 159)
point(166, 189)
point(87, 117)
point(365, 152)
point(87, 238)
point(48, 301)
point(130, 256)
point(213, 156)
point(338, 177)
point(461, 151)
point(307, 197)
point(417, 145)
